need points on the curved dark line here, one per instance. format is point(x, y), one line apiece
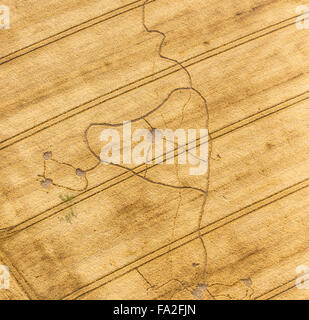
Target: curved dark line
point(205, 192)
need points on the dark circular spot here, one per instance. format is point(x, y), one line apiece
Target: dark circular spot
point(46, 183)
point(80, 173)
point(47, 155)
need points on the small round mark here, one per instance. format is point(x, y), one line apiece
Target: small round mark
point(199, 291)
point(46, 183)
point(47, 155)
point(247, 282)
point(80, 173)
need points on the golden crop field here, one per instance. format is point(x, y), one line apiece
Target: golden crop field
point(75, 227)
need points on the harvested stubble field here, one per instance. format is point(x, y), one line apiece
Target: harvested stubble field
point(73, 227)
